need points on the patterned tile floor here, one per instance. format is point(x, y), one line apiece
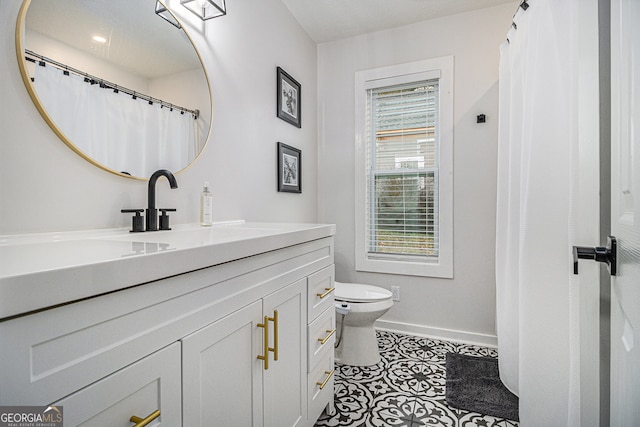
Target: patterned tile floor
point(407, 388)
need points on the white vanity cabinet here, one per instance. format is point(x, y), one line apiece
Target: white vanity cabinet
point(190, 345)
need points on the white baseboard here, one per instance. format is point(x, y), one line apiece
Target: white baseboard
point(438, 333)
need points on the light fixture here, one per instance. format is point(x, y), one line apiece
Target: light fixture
point(206, 9)
point(164, 13)
point(99, 39)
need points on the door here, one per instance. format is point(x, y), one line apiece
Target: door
point(285, 388)
point(221, 376)
point(625, 211)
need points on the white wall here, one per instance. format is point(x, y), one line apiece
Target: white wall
point(462, 307)
point(44, 186)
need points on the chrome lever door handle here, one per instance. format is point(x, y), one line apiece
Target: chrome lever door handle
point(607, 255)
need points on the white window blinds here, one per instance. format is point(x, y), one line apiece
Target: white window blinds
point(402, 171)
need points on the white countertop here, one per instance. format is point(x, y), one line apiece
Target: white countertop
point(47, 269)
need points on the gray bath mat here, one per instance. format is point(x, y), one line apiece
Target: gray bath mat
point(473, 384)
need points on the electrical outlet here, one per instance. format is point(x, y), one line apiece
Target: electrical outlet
point(395, 290)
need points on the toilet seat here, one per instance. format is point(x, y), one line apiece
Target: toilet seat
point(356, 292)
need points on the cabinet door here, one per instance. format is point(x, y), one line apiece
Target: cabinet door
point(222, 376)
point(150, 384)
point(285, 382)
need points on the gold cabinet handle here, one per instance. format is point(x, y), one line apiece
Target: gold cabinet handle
point(274, 349)
point(143, 422)
point(327, 292)
point(330, 333)
point(265, 342)
point(326, 380)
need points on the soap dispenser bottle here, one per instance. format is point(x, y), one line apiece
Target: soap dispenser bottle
point(206, 206)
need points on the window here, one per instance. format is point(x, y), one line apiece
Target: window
point(403, 163)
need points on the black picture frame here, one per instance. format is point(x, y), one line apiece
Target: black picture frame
point(289, 98)
point(289, 169)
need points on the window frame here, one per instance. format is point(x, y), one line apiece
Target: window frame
point(442, 69)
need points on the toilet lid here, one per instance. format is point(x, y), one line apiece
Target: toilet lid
point(356, 292)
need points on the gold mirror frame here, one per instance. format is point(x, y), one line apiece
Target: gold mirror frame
point(20, 54)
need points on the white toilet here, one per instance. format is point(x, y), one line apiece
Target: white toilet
point(363, 305)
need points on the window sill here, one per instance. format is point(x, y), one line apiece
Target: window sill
point(441, 269)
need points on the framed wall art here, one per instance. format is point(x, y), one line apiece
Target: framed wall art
point(289, 98)
point(289, 169)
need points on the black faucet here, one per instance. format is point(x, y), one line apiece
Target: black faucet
point(152, 212)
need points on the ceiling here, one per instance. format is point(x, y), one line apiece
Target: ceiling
point(323, 20)
point(328, 20)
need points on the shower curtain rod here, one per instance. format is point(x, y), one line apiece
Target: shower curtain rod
point(524, 5)
point(88, 78)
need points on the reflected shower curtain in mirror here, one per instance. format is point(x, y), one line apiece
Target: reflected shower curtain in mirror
point(537, 297)
point(151, 138)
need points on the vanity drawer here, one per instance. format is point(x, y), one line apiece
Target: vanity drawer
point(320, 292)
point(321, 382)
point(151, 384)
point(321, 336)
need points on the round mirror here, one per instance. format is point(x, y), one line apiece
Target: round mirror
point(117, 80)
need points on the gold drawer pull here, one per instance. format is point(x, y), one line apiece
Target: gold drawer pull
point(330, 333)
point(143, 422)
point(265, 342)
point(326, 380)
point(328, 291)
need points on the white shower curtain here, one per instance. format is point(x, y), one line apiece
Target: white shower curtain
point(537, 300)
point(113, 129)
